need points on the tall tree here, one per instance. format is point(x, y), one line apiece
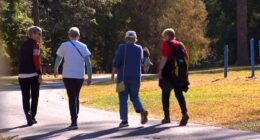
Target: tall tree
point(242, 49)
point(35, 13)
point(15, 28)
point(4, 56)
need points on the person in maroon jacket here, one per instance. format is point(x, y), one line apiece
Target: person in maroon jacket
point(30, 75)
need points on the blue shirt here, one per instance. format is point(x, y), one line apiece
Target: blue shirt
point(133, 55)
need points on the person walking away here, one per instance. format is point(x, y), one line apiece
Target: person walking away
point(167, 74)
point(127, 62)
point(146, 61)
point(76, 55)
point(30, 75)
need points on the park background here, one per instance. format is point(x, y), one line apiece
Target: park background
point(205, 26)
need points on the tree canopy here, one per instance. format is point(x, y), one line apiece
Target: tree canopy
point(204, 26)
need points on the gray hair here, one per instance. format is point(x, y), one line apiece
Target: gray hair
point(34, 29)
point(74, 32)
point(169, 31)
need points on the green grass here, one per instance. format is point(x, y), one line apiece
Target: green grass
point(233, 102)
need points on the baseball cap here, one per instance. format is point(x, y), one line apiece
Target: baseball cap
point(130, 34)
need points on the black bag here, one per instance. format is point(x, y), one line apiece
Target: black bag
point(176, 69)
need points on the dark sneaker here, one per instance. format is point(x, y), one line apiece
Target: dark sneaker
point(34, 121)
point(73, 127)
point(144, 118)
point(123, 124)
point(166, 120)
point(29, 120)
point(184, 120)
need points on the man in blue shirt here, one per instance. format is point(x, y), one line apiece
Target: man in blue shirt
point(127, 62)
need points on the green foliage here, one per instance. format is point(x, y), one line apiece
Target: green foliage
point(3, 53)
point(15, 26)
point(103, 23)
point(221, 28)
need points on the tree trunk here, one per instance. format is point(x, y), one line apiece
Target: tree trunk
point(35, 13)
point(242, 49)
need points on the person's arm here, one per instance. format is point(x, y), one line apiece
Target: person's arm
point(37, 61)
point(165, 51)
point(118, 60)
point(113, 74)
point(161, 66)
point(89, 68)
point(56, 65)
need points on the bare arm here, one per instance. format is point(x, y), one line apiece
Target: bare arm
point(113, 74)
point(162, 64)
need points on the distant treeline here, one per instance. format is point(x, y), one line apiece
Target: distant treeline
point(203, 25)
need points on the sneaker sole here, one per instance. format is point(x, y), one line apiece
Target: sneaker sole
point(73, 128)
point(123, 126)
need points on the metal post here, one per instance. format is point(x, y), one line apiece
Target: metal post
point(226, 61)
point(252, 58)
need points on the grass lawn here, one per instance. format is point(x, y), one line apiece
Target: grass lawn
point(233, 102)
point(13, 80)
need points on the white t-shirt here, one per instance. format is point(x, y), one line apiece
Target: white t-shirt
point(74, 66)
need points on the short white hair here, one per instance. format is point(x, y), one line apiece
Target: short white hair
point(169, 31)
point(34, 29)
point(74, 32)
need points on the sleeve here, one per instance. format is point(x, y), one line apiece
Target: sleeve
point(117, 62)
point(36, 58)
point(60, 51)
point(165, 50)
point(88, 65)
point(57, 62)
point(86, 51)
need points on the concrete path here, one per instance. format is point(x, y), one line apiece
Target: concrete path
point(53, 117)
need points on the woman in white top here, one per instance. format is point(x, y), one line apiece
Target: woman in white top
point(76, 55)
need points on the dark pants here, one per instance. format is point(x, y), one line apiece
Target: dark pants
point(73, 87)
point(30, 93)
point(166, 92)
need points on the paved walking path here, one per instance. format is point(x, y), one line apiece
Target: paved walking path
point(53, 117)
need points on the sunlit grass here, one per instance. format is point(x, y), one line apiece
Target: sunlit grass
point(13, 80)
point(233, 102)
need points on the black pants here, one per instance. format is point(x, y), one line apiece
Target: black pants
point(73, 87)
point(30, 93)
point(166, 92)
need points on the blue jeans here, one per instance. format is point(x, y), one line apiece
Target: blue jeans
point(131, 89)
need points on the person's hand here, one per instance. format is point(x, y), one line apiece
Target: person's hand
point(40, 79)
point(56, 73)
point(113, 77)
point(89, 81)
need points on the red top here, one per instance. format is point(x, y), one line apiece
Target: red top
point(166, 50)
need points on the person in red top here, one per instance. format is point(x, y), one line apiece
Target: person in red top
point(30, 75)
point(165, 77)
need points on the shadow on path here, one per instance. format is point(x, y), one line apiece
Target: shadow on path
point(12, 128)
point(130, 132)
point(46, 135)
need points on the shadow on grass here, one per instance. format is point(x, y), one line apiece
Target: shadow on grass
point(221, 70)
